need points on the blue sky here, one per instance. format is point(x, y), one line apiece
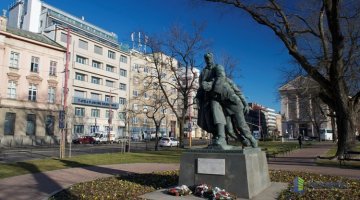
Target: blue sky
point(259, 53)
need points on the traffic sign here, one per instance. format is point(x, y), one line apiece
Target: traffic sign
point(61, 119)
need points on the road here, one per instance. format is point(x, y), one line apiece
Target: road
point(19, 154)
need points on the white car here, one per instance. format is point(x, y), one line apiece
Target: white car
point(168, 142)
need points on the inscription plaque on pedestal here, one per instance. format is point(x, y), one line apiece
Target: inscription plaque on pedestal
point(211, 166)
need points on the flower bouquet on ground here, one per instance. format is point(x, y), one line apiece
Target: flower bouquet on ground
point(182, 190)
point(215, 193)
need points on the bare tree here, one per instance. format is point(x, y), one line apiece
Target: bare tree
point(323, 37)
point(230, 64)
point(151, 97)
point(174, 55)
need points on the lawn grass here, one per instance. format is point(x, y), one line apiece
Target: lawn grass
point(335, 162)
point(316, 186)
point(34, 166)
point(170, 156)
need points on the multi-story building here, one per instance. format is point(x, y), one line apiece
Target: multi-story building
point(302, 110)
point(98, 67)
point(31, 77)
point(256, 120)
point(192, 79)
point(271, 122)
point(146, 95)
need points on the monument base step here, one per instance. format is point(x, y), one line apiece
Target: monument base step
point(270, 193)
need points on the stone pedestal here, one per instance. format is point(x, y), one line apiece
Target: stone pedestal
point(241, 172)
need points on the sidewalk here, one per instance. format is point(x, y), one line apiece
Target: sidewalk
point(304, 160)
point(42, 185)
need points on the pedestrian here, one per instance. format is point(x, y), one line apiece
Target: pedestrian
point(300, 141)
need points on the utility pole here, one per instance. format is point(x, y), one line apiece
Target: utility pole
point(62, 113)
point(66, 91)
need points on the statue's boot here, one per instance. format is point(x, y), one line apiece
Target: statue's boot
point(244, 141)
point(254, 142)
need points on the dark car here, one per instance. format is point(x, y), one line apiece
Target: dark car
point(84, 140)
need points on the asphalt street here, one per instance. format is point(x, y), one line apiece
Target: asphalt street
point(18, 154)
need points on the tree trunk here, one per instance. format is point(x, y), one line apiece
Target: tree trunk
point(157, 137)
point(345, 127)
point(181, 133)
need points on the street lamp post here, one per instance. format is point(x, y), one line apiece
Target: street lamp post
point(62, 121)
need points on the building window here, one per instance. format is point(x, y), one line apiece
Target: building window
point(134, 120)
point(83, 44)
point(98, 50)
point(79, 76)
point(52, 71)
point(63, 37)
point(135, 106)
point(31, 124)
point(32, 92)
point(111, 54)
point(79, 129)
point(95, 96)
point(9, 125)
point(108, 98)
point(14, 59)
point(123, 59)
point(122, 86)
point(122, 115)
point(49, 125)
point(107, 114)
point(94, 128)
point(96, 64)
point(135, 93)
point(145, 120)
point(79, 93)
point(79, 112)
point(51, 94)
point(110, 68)
point(136, 80)
point(82, 60)
point(123, 72)
point(146, 69)
point(136, 67)
point(109, 83)
point(146, 96)
point(34, 64)
point(122, 101)
point(95, 80)
point(95, 113)
point(12, 89)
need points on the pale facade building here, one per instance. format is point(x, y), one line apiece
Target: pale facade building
point(98, 67)
point(31, 77)
point(302, 110)
point(145, 95)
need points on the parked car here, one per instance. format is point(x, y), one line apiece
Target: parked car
point(103, 137)
point(168, 142)
point(84, 140)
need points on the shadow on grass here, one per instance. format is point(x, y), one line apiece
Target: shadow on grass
point(94, 168)
point(43, 183)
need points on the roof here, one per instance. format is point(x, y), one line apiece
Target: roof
point(33, 36)
point(300, 82)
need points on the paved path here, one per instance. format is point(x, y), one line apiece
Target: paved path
point(304, 160)
point(42, 185)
